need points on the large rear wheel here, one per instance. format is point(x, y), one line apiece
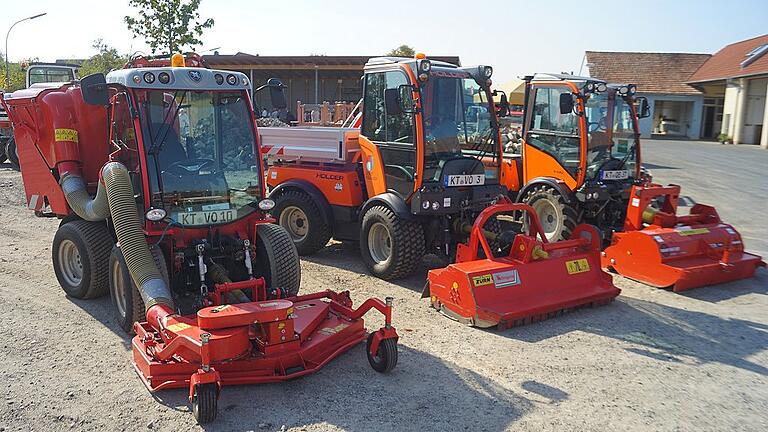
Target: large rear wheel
point(300, 216)
point(127, 302)
point(277, 260)
point(12, 153)
point(557, 217)
point(391, 247)
point(80, 255)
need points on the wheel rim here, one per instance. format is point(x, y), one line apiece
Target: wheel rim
point(548, 217)
point(379, 242)
point(70, 263)
point(294, 220)
point(118, 286)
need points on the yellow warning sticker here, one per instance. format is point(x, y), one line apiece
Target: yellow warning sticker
point(65, 135)
point(178, 327)
point(687, 232)
point(482, 280)
point(577, 266)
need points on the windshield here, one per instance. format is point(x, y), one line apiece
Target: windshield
point(611, 133)
point(200, 155)
point(43, 74)
point(457, 123)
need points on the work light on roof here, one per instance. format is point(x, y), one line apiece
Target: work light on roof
point(231, 79)
point(164, 77)
point(601, 87)
point(149, 77)
point(219, 78)
point(424, 66)
point(487, 72)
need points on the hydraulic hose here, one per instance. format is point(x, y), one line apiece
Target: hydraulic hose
point(115, 198)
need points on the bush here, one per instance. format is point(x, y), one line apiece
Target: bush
point(724, 139)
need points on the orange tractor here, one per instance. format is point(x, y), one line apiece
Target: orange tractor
point(412, 180)
point(155, 173)
point(580, 163)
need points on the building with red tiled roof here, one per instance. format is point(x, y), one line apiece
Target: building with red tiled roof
point(676, 107)
point(740, 72)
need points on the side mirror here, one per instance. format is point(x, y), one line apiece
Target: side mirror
point(643, 107)
point(566, 103)
point(502, 106)
point(276, 93)
point(94, 89)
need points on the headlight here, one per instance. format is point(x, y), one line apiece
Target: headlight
point(164, 78)
point(435, 205)
point(425, 66)
point(245, 81)
point(231, 79)
point(219, 79)
point(136, 79)
point(425, 205)
point(589, 87)
point(632, 90)
point(623, 90)
point(149, 77)
point(155, 214)
point(423, 76)
point(266, 204)
point(487, 72)
point(601, 87)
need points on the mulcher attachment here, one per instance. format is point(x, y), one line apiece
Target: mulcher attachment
point(664, 250)
point(535, 280)
point(254, 342)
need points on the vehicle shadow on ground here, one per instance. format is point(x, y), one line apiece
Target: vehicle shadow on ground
point(660, 332)
point(422, 393)
point(660, 167)
point(101, 310)
point(717, 293)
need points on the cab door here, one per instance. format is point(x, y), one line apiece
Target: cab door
point(552, 145)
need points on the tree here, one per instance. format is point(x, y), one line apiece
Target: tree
point(402, 51)
point(16, 74)
point(168, 25)
point(105, 60)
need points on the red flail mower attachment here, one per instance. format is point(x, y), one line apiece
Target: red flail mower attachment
point(255, 342)
point(664, 250)
point(534, 281)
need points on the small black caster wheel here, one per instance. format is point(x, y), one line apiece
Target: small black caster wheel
point(204, 402)
point(386, 357)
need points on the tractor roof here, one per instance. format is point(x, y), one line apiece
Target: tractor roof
point(381, 61)
point(564, 77)
point(181, 78)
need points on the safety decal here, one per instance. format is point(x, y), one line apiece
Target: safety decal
point(635, 202)
point(273, 174)
point(328, 331)
point(178, 327)
point(694, 231)
point(577, 266)
point(506, 278)
point(482, 280)
point(65, 135)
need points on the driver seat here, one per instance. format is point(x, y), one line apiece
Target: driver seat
point(171, 150)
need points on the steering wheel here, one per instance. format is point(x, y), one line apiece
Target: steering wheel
point(400, 170)
point(188, 167)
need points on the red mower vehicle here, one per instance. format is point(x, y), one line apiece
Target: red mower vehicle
point(662, 249)
point(156, 175)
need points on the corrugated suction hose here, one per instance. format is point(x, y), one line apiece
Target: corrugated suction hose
point(115, 198)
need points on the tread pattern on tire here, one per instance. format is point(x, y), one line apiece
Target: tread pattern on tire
point(320, 232)
point(207, 401)
point(570, 214)
point(409, 234)
point(387, 350)
point(137, 307)
point(282, 258)
point(98, 245)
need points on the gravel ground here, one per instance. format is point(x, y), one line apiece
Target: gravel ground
point(652, 360)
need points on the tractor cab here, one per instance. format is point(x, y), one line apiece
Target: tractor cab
point(37, 73)
point(433, 126)
point(188, 136)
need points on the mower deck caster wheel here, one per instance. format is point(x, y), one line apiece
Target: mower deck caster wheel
point(204, 402)
point(386, 356)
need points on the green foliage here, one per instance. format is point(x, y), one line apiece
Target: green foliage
point(724, 138)
point(402, 51)
point(106, 59)
point(16, 75)
point(168, 26)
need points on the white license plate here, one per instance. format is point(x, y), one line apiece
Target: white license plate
point(465, 180)
point(205, 217)
point(614, 175)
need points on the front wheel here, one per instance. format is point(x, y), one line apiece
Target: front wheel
point(558, 218)
point(386, 356)
point(391, 247)
point(277, 260)
point(205, 400)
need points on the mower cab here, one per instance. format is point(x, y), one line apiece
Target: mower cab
point(519, 278)
point(662, 249)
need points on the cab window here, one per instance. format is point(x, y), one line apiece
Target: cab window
point(552, 132)
point(393, 133)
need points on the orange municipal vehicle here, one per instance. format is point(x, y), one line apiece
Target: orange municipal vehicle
point(580, 152)
point(410, 180)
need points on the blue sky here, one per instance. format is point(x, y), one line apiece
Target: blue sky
point(515, 37)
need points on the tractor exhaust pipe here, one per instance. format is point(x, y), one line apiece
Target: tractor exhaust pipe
point(115, 199)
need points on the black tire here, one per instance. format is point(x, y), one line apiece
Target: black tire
point(131, 308)
point(277, 260)
point(318, 232)
point(83, 272)
point(405, 241)
point(205, 400)
point(3, 157)
point(386, 356)
point(557, 217)
point(12, 154)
